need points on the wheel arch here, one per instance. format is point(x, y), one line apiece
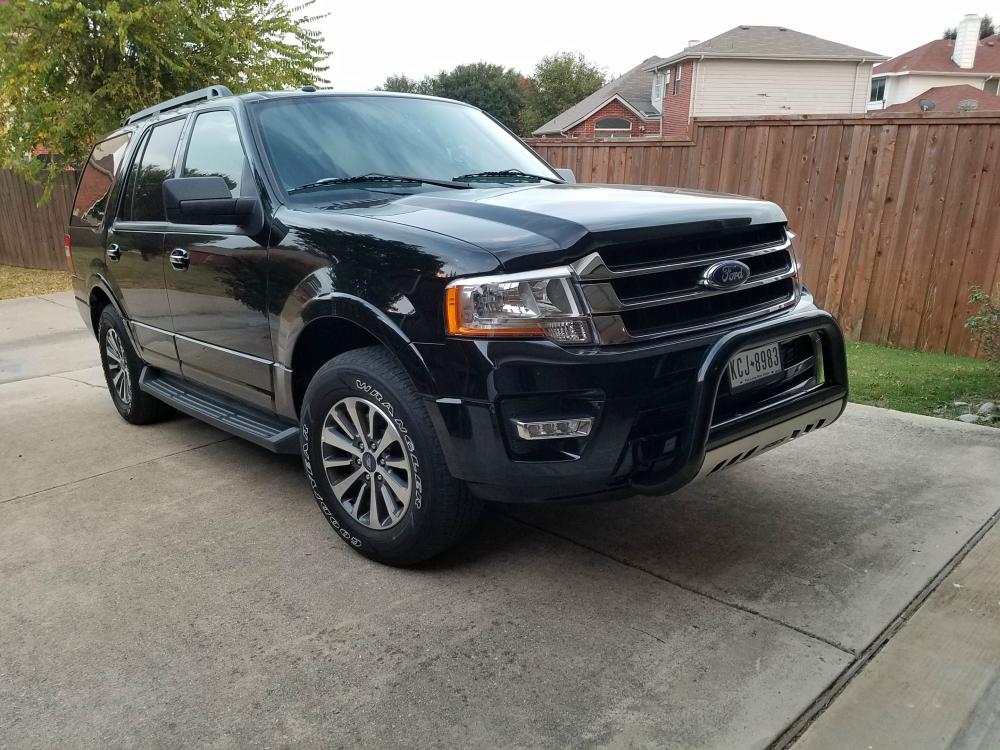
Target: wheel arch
point(99, 297)
point(336, 323)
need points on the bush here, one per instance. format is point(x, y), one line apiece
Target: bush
point(985, 324)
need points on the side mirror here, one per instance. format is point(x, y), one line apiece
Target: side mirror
point(567, 174)
point(205, 200)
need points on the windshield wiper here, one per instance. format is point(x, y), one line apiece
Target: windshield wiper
point(516, 174)
point(375, 177)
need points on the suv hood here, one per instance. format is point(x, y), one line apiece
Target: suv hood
point(540, 225)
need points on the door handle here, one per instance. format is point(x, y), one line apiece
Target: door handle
point(180, 259)
point(114, 252)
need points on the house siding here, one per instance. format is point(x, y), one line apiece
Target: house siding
point(587, 128)
point(780, 87)
point(899, 89)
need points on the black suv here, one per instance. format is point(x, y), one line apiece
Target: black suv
point(401, 290)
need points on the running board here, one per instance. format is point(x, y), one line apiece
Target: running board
point(270, 431)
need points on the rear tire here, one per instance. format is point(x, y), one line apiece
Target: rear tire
point(122, 368)
point(374, 462)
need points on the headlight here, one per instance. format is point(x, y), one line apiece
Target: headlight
point(532, 304)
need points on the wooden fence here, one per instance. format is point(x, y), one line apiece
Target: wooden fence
point(897, 216)
point(32, 236)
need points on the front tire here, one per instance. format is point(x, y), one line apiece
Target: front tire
point(374, 462)
point(122, 368)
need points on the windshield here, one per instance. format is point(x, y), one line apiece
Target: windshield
point(318, 139)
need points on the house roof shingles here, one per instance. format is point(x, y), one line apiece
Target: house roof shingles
point(935, 57)
point(771, 43)
point(634, 87)
point(947, 99)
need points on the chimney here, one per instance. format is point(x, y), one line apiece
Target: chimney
point(692, 42)
point(966, 41)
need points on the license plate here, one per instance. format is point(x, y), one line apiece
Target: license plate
point(752, 365)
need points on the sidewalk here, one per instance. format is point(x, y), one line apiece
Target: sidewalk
point(936, 684)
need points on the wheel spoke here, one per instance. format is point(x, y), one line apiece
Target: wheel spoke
point(333, 463)
point(400, 490)
point(398, 463)
point(388, 439)
point(352, 412)
point(371, 423)
point(344, 426)
point(373, 519)
point(345, 484)
point(334, 438)
point(389, 501)
point(357, 502)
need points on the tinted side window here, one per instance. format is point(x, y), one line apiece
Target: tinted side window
point(96, 181)
point(125, 204)
point(155, 167)
point(215, 150)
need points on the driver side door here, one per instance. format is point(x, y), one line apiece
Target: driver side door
point(216, 275)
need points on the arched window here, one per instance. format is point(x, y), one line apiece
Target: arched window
point(613, 123)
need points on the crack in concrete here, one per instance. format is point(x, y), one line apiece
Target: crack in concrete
point(74, 380)
point(27, 495)
point(824, 699)
point(691, 589)
point(655, 638)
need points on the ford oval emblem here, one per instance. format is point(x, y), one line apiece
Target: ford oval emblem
point(727, 274)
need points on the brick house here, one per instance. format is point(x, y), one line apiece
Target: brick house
point(622, 108)
point(966, 60)
point(761, 70)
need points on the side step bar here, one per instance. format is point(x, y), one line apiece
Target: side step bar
point(275, 433)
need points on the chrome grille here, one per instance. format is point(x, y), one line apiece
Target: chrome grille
point(662, 296)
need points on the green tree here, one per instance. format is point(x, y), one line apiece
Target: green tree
point(559, 81)
point(986, 28)
point(402, 83)
point(72, 70)
point(492, 88)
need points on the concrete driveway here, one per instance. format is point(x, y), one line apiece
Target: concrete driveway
point(169, 585)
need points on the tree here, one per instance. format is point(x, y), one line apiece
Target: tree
point(986, 28)
point(559, 81)
point(403, 84)
point(492, 88)
point(71, 71)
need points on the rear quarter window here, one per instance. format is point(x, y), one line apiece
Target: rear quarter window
point(97, 180)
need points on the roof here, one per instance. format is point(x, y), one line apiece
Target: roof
point(947, 99)
point(771, 43)
point(634, 88)
point(935, 57)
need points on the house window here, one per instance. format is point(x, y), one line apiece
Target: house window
point(878, 90)
point(613, 127)
point(677, 78)
point(658, 90)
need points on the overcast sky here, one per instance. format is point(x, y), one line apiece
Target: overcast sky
point(370, 40)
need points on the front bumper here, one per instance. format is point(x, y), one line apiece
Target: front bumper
point(664, 414)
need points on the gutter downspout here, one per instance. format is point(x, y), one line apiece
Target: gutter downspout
point(857, 72)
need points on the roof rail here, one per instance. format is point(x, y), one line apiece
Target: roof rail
point(201, 95)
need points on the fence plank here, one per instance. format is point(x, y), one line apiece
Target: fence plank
point(896, 214)
point(32, 235)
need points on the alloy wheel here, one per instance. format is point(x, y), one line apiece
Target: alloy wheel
point(117, 366)
point(369, 467)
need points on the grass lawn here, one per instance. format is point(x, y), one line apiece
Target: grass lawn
point(25, 282)
point(919, 382)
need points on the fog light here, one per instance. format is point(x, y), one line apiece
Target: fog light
point(554, 428)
